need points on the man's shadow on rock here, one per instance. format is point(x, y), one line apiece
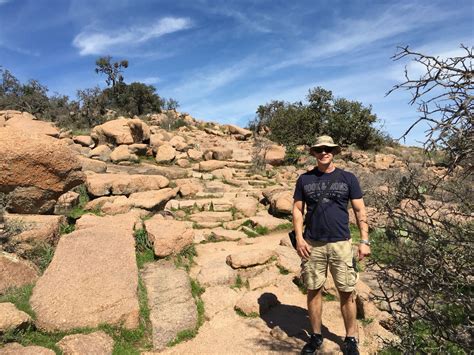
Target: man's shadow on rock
point(292, 320)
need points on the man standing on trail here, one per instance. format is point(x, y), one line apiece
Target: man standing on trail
point(325, 241)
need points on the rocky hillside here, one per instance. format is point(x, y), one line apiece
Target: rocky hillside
point(140, 239)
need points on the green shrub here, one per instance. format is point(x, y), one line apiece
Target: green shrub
point(293, 124)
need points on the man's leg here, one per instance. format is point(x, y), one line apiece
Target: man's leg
point(314, 276)
point(349, 313)
point(315, 309)
point(345, 277)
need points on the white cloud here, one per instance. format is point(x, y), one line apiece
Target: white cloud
point(19, 50)
point(4, 1)
point(207, 80)
point(246, 21)
point(94, 42)
point(353, 35)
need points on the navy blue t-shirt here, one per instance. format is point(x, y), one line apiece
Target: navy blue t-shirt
point(330, 222)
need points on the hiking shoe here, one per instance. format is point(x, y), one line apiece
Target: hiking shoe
point(350, 346)
point(314, 344)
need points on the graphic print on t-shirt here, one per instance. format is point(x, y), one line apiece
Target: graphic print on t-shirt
point(337, 190)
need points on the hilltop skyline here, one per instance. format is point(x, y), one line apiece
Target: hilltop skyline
point(221, 59)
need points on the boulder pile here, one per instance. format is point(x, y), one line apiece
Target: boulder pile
point(187, 226)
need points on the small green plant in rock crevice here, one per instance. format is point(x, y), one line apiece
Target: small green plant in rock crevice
point(20, 297)
point(245, 315)
point(79, 210)
point(185, 259)
point(41, 255)
point(16, 226)
point(365, 322)
point(143, 248)
point(301, 286)
point(239, 283)
point(284, 226)
point(283, 270)
point(329, 297)
point(66, 228)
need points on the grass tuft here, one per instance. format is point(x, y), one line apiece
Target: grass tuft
point(301, 286)
point(143, 248)
point(41, 255)
point(239, 283)
point(365, 322)
point(284, 226)
point(283, 270)
point(20, 297)
point(66, 228)
point(245, 315)
point(329, 297)
point(185, 259)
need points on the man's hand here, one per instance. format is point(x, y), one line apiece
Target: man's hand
point(303, 248)
point(364, 250)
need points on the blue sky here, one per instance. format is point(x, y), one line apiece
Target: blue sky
point(221, 59)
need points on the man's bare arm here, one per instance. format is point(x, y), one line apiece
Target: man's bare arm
point(302, 247)
point(361, 217)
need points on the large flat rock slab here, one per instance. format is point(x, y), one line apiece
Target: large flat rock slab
point(172, 306)
point(123, 184)
point(92, 278)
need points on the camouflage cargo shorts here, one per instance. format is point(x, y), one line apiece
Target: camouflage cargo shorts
point(335, 256)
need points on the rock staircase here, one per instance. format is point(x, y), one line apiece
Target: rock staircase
point(243, 260)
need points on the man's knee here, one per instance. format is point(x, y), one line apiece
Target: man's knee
point(347, 297)
point(314, 293)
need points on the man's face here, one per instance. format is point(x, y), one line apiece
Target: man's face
point(323, 154)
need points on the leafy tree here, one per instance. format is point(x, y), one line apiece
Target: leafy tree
point(292, 124)
point(171, 104)
point(351, 123)
point(31, 97)
point(134, 99)
point(93, 105)
point(113, 71)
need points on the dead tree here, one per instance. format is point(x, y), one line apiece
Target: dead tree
point(423, 257)
point(444, 95)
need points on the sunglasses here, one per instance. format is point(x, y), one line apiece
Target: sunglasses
point(323, 149)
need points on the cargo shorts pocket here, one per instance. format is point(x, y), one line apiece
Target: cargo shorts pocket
point(352, 274)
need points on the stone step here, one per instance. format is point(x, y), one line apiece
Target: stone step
point(171, 172)
point(217, 205)
point(262, 183)
point(172, 306)
point(93, 277)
